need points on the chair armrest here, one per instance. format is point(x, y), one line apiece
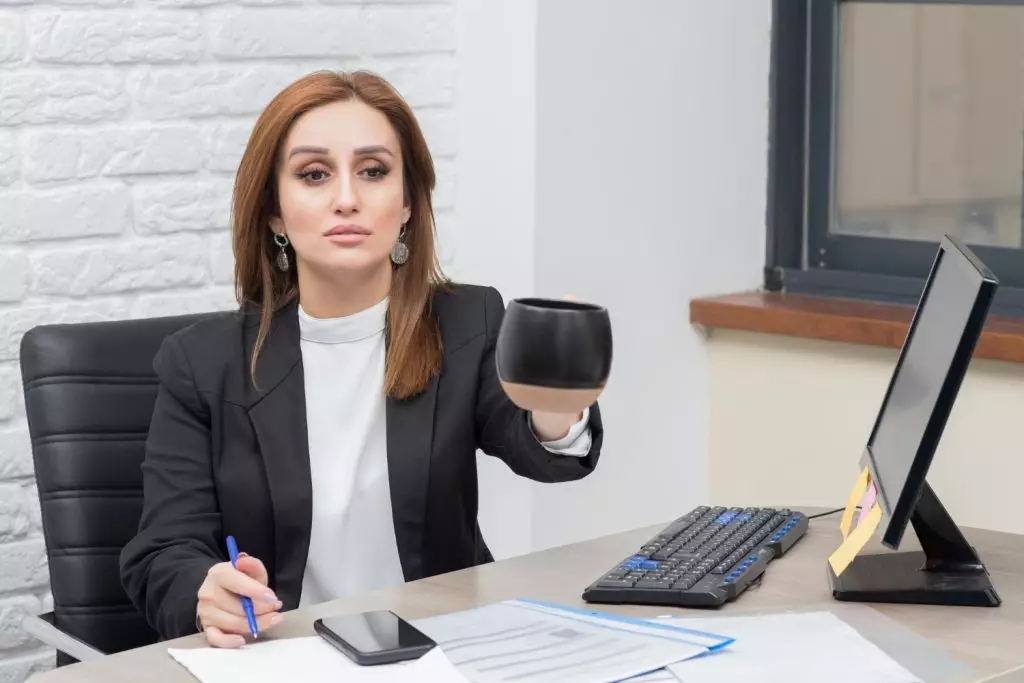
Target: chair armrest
point(42, 628)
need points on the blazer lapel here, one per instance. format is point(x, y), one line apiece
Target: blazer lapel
point(277, 411)
point(410, 432)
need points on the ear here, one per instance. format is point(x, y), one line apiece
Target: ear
point(276, 224)
point(406, 214)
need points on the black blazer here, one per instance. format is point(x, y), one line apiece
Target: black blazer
point(226, 458)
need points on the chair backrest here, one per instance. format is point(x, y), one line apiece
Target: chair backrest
point(89, 395)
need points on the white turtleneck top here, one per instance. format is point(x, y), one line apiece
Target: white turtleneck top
point(352, 545)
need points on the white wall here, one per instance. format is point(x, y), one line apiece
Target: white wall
point(120, 131)
point(807, 408)
point(651, 165)
point(618, 155)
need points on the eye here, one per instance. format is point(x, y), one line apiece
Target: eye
point(314, 175)
point(376, 172)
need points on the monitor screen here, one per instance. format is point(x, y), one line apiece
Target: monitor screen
point(932, 363)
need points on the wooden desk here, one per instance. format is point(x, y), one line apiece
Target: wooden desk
point(987, 639)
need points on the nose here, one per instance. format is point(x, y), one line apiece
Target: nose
point(346, 200)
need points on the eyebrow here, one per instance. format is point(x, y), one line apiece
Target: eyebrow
point(360, 151)
point(373, 149)
point(307, 149)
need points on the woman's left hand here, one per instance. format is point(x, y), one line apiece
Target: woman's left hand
point(553, 426)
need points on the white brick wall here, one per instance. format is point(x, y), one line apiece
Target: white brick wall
point(121, 125)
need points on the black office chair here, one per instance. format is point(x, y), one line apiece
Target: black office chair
point(89, 394)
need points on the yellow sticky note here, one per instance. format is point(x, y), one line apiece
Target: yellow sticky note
point(851, 502)
point(844, 554)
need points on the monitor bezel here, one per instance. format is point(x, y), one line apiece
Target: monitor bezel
point(896, 514)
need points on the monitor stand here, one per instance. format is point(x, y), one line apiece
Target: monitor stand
point(946, 571)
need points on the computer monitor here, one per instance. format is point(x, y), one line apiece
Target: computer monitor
point(943, 333)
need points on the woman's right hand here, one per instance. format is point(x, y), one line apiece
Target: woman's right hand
point(219, 611)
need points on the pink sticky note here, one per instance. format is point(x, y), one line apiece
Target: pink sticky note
point(867, 502)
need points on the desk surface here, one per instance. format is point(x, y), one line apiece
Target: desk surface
point(986, 639)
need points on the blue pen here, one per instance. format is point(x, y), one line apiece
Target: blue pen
point(250, 615)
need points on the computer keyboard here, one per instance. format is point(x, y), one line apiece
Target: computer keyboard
point(705, 558)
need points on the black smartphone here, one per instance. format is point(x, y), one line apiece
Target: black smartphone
point(379, 637)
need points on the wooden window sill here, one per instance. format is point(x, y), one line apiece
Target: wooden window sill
point(841, 320)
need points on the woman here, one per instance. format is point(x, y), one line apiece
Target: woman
point(331, 424)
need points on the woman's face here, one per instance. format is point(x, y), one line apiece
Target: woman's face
point(340, 189)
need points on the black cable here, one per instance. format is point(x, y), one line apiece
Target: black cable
point(826, 514)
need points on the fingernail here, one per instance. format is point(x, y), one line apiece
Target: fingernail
point(278, 605)
point(276, 619)
point(269, 596)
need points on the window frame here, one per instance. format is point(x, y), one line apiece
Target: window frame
point(802, 255)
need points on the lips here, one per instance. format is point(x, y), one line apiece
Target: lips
point(347, 230)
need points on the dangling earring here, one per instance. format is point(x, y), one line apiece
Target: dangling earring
point(281, 240)
point(400, 252)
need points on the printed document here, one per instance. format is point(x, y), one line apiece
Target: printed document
point(523, 640)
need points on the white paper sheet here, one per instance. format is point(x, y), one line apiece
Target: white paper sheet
point(522, 640)
point(309, 659)
point(659, 676)
point(805, 647)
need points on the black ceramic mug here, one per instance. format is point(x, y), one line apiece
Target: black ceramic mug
point(554, 355)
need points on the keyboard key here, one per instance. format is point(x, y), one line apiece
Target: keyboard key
point(685, 583)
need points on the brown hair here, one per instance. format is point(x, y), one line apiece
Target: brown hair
point(414, 340)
